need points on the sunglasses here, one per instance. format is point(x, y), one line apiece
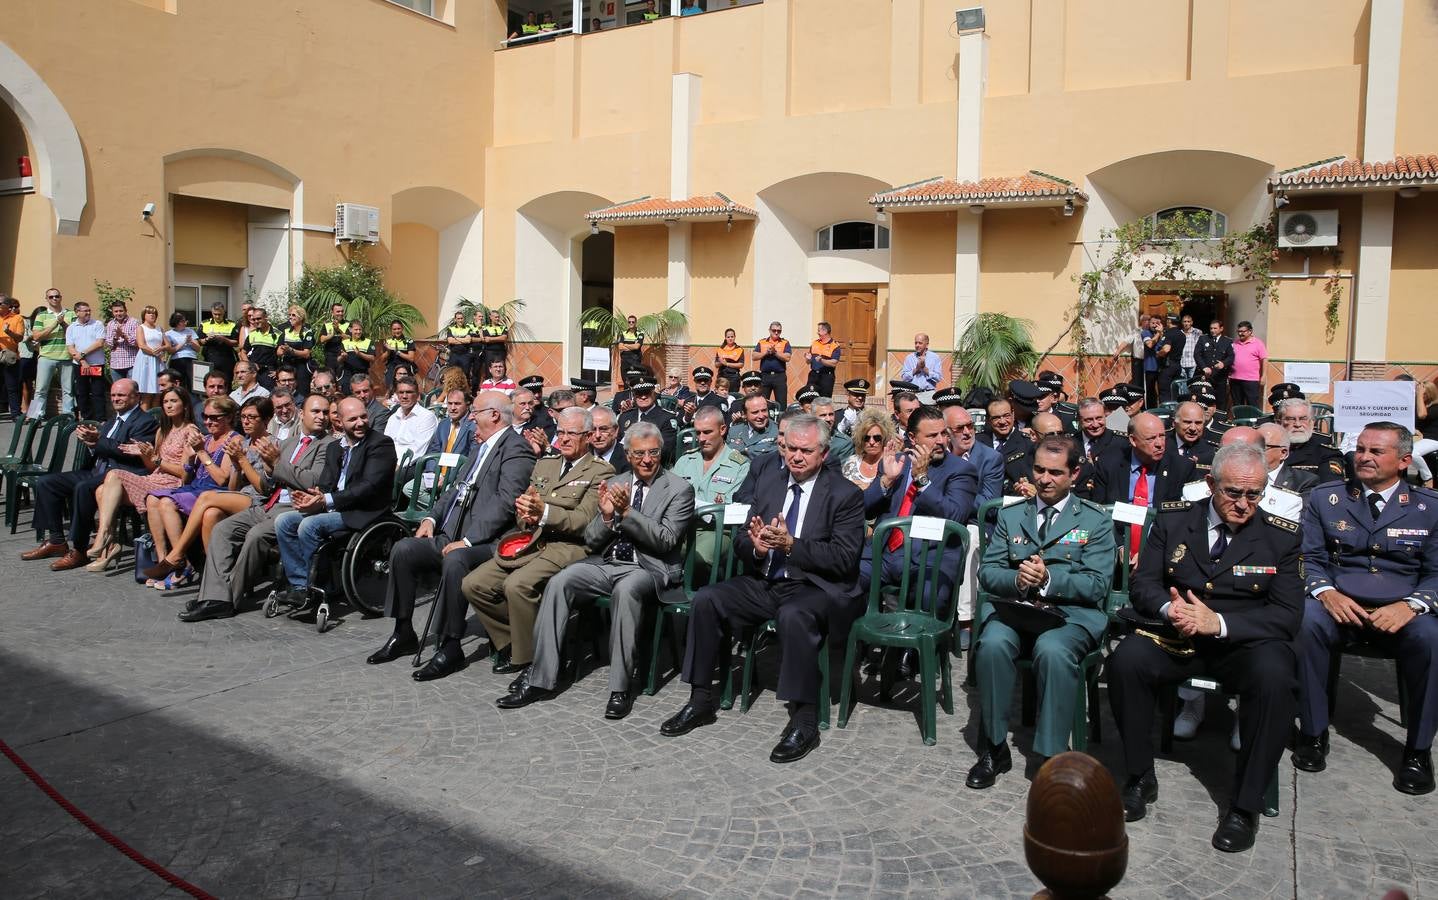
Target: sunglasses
point(212, 417)
point(873, 438)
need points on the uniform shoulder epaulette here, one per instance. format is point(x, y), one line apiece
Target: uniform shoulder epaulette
point(1202, 466)
point(1430, 493)
point(1174, 506)
point(1095, 507)
point(1015, 456)
point(735, 456)
point(1279, 522)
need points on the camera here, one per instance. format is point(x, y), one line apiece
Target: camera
point(148, 211)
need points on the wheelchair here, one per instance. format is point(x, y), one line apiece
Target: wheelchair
point(351, 568)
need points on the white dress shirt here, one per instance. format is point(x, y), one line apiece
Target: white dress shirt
point(411, 432)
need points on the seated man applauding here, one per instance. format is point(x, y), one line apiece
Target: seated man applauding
point(1054, 550)
point(637, 543)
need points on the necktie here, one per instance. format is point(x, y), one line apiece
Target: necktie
point(906, 506)
point(449, 446)
point(1046, 519)
point(564, 470)
point(623, 550)
point(1375, 504)
point(777, 558)
point(1220, 544)
point(1140, 498)
point(299, 451)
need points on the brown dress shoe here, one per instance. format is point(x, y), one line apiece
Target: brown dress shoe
point(74, 559)
point(47, 550)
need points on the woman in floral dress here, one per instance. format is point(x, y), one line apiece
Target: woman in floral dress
point(210, 468)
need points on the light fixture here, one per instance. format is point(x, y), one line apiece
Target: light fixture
point(976, 208)
point(1069, 206)
point(879, 214)
point(1408, 193)
point(1280, 201)
point(971, 19)
point(593, 226)
point(729, 223)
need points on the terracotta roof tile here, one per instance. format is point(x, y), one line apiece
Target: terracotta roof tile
point(1344, 171)
point(1031, 185)
point(707, 206)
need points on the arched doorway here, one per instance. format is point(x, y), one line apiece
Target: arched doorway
point(597, 278)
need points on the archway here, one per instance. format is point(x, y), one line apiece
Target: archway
point(436, 250)
point(60, 171)
point(550, 239)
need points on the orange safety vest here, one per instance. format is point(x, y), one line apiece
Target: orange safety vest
point(828, 351)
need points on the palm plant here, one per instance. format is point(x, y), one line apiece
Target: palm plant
point(658, 328)
point(358, 287)
point(994, 348)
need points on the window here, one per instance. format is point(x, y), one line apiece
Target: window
point(425, 7)
point(852, 236)
point(1191, 221)
point(195, 300)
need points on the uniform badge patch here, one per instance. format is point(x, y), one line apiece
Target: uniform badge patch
point(1178, 553)
point(1342, 525)
point(1332, 499)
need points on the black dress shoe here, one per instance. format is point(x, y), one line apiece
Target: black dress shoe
point(443, 664)
point(210, 609)
point(394, 648)
point(620, 703)
point(522, 693)
point(686, 720)
point(1415, 775)
point(795, 744)
point(1236, 832)
point(993, 762)
point(1138, 792)
point(502, 664)
point(1310, 753)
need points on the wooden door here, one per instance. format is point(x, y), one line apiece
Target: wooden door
point(852, 313)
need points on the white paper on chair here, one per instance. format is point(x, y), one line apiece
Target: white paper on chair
point(447, 460)
point(736, 513)
point(1196, 490)
point(1282, 503)
point(927, 528)
point(1010, 501)
point(427, 481)
point(1129, 513)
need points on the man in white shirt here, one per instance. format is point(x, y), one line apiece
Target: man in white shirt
point(410, 425)
point(923, 367)
point(246, 384)
point(85, 342)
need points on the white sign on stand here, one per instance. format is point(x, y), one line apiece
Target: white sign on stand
point(595, 358)
point(1357, 403)
point(1311, 378)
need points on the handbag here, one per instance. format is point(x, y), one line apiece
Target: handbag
point(9, 357)
point(144, 556)
point(1026, 617)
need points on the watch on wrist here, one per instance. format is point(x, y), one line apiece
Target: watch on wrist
point(921, 482)
point(1418, 606)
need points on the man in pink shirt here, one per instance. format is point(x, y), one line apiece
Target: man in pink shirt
point(1249, 357)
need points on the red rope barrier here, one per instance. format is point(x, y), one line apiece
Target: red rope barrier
point(100, 830)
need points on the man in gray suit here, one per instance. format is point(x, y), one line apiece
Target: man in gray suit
point(636, 542)
point(465, 522)
point(240, 546)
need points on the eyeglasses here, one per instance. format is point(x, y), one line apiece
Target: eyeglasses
point(212, 417)
point(873, 438)
point(644, 454)
point(52, 296)
point(1236, 494)
point(562, 433)
point(968, 427)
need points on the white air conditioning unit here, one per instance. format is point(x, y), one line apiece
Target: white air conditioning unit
point(356, 224)
point(1301, 228)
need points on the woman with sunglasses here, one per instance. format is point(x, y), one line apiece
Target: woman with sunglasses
point(207, 468)
point(873, 432)
point(247, 452)
point(166, 467)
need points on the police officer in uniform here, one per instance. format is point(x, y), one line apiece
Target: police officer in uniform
point(542, 419)
point(1055, 549)
point(858, 393)
point(297, 345)
point(220, 337)
point(751, 383)
point(1370, 554)
point(494, 340)
point(622, 399)
point(630, 346)
point(773, 354)
point(1214, 358)
point(1224, 576)
point(261, 347)
point(646, 408)
point(823, 358)
point(1308, 451)
point(460, 339)
point(332, 336)
point(1188, 427)
point(704, 394)
point(758, 433)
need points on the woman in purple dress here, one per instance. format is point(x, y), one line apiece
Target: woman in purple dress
point(208, 467)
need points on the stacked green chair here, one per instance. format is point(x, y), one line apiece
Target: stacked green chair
point(910, 626)
point(1246, 415)
point(422, 499)
point(52, 447)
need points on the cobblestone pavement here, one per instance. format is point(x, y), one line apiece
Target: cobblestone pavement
point(256, 758)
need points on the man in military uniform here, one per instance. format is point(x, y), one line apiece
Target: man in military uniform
point(1054, 550)
point(841, 446)
point(1214, 359)
point(1308, 451)
point(1225, 577)
point(757, 434)
point(715, 470)
point(804, 398)
point(1370, 555)
point(1188, 424)
point(857, 390)
point(646, 408)
point(704, 395)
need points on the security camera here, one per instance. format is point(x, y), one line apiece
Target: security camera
point(148, 211)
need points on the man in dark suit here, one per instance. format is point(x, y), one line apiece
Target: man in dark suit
point(1170, 355)
point(1226, 576)
point(238, 557)
point(1280, 474)
point(1150, 474)
point(604, 443)
point(636, 546)
point(1000, 431)
point(1214, 358)
point(924, 480)
point(112, 444)
point(464, 523)
point(806, 530)
point(1188, 425)
point(354, 491)
point(1370, 555)
point(986, 461)
point(761, 463)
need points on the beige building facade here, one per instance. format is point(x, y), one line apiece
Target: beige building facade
point(870, 163)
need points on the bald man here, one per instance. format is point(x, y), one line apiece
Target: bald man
point(1018, 468)
point(1189, 420)
point(1149, 474)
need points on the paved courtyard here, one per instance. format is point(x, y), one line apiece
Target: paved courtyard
point(255, 758)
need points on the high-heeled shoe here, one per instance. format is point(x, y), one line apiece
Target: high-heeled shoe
point(105, 559)
point(102, 544)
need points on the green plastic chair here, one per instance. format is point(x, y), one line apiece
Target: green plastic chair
point(910, 626)
point(22, 427)
point(687, 441)
point(22, 441)
point(397, 492)
point(667, 403)
point(1245, 415)
point(422, 499)
point(32, 450)
point(26, 477)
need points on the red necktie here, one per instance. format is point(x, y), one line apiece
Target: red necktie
point(1140, 498)
point(299, 451)
point(906, 506)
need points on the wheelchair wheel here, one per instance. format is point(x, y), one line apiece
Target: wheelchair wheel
point(322, 617)
point(366, 565)
point(272, 605)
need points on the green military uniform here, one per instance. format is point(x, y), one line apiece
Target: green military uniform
point(753, 443)
point(1078, 551)
point(841, 446)
point(718, 484)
